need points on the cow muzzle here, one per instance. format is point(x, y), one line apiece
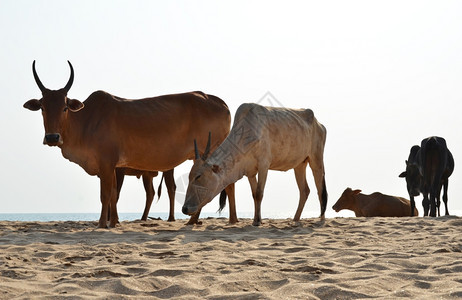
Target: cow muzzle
point(189, 210)
point(52, 139)
point(336, 208)
point(414, 191)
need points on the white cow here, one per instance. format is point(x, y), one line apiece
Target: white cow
point(262, 139)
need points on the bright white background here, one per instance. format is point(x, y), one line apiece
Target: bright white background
point(380, 75)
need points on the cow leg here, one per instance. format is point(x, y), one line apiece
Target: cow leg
point(171, 188)
point(317, 168)
point(445, 195)
point(432, 204)
point(300, 176)
point(426, 202)
point(433, 208)
point(120, 175)
point(232, 204)
point(412, 204)
point(438, 201)
point(108, 199)
point(426, 206)
point(195, 218)
point(253, 188)
point(258, 186)
point(149, 188)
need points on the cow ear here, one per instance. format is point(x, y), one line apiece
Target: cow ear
point(403, 175)
point(74, 105)
point(33, 105)
point(216, 168)
point(356, 192)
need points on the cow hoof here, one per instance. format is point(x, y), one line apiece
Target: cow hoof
point(102, 224)
point(296, 224)
point(171, 219)
point(194, 222)
point(321, 223)
point(232, 222)
point(256, 223)
point(113, 224)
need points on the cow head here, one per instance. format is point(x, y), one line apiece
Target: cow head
point(413, 178)
point(55, 108)
point(347, 200)
point(413, 173)
point(204, 182)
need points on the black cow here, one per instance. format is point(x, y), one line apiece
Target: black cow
point(427, 170)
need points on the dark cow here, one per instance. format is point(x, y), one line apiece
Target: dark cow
point(106, 132)
point(427, 170)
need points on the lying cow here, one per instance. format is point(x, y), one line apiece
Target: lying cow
point(373, 205)
point(106, 132)
point(427, 170)
point(261, 139)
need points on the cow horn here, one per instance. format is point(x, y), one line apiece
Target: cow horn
point(207, 148)
point(71, 78)
point(37, 79)
point(196, 152)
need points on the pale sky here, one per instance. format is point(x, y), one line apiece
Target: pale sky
point(380, 75)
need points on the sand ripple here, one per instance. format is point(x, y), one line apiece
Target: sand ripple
point(344, 258)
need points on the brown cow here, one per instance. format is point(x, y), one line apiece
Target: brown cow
point(373, 205)
point(147, 177)
point(106, 132)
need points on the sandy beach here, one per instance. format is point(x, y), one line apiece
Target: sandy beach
point(340, 258)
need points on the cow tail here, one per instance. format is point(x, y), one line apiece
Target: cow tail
point(323, 196)
point(222, 200)
point(159, 189)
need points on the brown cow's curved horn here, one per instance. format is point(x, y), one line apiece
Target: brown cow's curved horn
point(37, 79)
point(71, 78)
point(207, 148)
point(196, 151)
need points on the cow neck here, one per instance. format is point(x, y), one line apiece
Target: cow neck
point(73, 133)
point(232, 167)
point(359, 201)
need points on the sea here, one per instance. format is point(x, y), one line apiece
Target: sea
point(48, 217)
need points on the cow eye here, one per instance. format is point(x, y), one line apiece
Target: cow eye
point(65, 109)
point(197, 177)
